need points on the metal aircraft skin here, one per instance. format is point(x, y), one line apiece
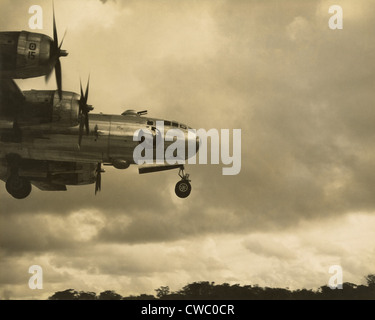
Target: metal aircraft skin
point(29, 54)
point(49, 139)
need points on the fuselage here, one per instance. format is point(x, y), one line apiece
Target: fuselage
point(111, 138)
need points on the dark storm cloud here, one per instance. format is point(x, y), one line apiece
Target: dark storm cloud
point(139, 260)
point(40, 233)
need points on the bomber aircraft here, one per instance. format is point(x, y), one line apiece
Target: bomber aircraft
point(49, 138)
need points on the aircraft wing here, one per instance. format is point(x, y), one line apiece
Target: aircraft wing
point(53, 175)
point(158, 168)
point(11, 97)
point(45, 185)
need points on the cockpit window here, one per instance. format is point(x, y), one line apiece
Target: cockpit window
point(175, 124)
point(167, 123)
point(182, 126)
point(150, 122)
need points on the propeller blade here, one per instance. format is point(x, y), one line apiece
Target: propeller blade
point(55, 38)
point(87, 123)
point(62, 40)
point(55, 53)
point(82, 97)
point(48, 75)
point(58, 78)
point(98, 183)
point(81, 124)
point(84, 110)
point(87, 90)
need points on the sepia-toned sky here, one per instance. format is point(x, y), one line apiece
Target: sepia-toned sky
point(303, 96)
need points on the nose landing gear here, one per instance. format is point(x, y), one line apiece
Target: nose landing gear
point(183, 187)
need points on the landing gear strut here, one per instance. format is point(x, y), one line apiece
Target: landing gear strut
point(18, 187)
point(183, 187)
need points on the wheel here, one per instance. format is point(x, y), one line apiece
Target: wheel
point(183, 188)
point(18, 187)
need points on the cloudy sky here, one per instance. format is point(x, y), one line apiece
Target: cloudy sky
point(303, 96)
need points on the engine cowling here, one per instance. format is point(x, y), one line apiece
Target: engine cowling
point(80, 173)
point(46, 107)
point(24, 54)
point(58, 172)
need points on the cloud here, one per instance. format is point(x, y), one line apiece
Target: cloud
point(297, 28)
point(269, 248)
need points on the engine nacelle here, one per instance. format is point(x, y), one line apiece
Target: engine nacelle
point(24, 54)
point(75, 174)
point(45, 107)
point(58, 172)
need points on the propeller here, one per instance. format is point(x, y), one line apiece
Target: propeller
point(55, 53)
point(98, 182)
point(83, 111)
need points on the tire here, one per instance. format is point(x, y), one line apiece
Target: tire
point(183, 189)
point(18, 187)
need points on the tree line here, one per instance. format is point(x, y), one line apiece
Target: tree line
point(209, 290)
